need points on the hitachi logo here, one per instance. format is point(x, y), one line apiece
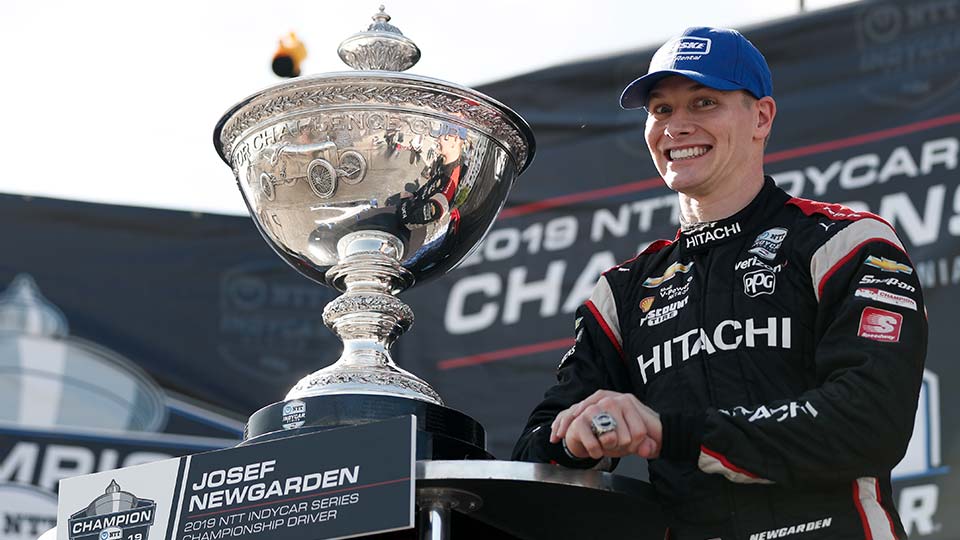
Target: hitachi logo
point(776, 332)
point(709, 235)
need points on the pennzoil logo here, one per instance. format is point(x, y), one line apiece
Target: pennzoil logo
point(672, 270)
point(115, 515)
point(887, 265)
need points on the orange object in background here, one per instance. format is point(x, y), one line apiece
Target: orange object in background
point(290, 53)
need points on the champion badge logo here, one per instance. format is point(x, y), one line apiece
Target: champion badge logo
point(880, 325)
point(114, 515)
point(672, 270)
point(886, 297)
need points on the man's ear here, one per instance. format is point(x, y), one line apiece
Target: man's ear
point(767, 110)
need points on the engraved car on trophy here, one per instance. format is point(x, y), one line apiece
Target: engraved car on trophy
point(320, 164)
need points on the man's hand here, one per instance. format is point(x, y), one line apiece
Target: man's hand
point(638, 428)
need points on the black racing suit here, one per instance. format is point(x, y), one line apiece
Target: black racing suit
point(783, 348)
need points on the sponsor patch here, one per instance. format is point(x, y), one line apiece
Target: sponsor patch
point(781, 413)
point(886, 297)
point(665, 313)
point(711, 234)
point(728, 335)
point(670, 292)
point(887, 265)
point(880, 325)
point(572, 350)
point(294, 414)
point(692, 45)
point(763, 281)
point(870, 279)
point(647, 303)
point(768, 242)
point(754, 261)
point(672, 270)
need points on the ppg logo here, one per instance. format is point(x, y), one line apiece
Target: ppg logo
point(759, 282)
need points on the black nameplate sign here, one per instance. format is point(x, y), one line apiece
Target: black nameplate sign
point(333, 484)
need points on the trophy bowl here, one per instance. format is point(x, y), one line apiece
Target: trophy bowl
point(371, 181)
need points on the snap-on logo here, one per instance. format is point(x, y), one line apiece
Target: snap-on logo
point(692, 45)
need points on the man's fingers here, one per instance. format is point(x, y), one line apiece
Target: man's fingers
point(635, 431)
point(648, 449)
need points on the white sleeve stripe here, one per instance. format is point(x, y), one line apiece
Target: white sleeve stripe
point(602, 299)
point(835, 250)
point(875, 519)
point(712, 465)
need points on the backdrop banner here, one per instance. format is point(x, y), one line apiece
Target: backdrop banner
point(171, 318)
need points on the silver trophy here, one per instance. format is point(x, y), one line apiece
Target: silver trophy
point(370, 181)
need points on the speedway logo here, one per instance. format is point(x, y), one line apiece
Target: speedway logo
point(665, 313)
point(886, 297)
point(768, 242)
point(672, 270)
point(726, 336)
point(880, 325)
point(887, 265)
point(114, 515)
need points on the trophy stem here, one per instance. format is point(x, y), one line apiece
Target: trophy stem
point(367, 318)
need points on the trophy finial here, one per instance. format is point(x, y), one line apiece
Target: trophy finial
point(381, 47)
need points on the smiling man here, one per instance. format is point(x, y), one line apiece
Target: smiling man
point(768, 360)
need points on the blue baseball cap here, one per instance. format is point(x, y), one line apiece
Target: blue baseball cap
point(720, 58)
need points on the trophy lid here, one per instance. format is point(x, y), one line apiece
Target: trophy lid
point(381, 47)
point(378, 56)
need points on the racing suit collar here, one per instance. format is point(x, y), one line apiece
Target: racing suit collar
point(724, 230)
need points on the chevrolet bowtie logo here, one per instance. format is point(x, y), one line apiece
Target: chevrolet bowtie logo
point(668, 274)
point(887, 265)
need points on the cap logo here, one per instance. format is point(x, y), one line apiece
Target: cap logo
point(691, 45)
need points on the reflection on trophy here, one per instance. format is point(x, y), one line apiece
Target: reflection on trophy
point(371, 181)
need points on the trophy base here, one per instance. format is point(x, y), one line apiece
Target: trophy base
point(442, 433)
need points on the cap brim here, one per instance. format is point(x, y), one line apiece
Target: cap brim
point(635, 95)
